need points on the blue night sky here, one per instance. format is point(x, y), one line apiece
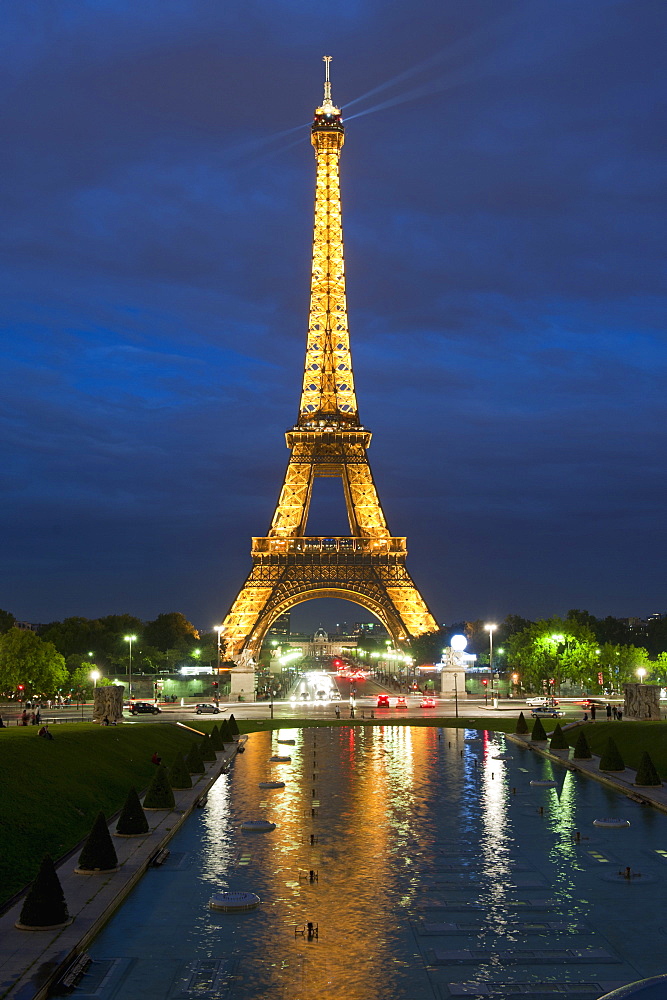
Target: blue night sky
point(504, 190)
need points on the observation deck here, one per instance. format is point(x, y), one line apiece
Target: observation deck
point(339, 548)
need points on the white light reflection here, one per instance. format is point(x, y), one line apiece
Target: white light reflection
point(497, 843)
point(564, 853)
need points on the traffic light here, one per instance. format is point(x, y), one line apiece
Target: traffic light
point(485, 682)
point(21, 687)
point(215, 684)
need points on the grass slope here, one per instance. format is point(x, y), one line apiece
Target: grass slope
point(631, 738)
point(52, 790)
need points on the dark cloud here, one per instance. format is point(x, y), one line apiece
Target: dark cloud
point(503, 193)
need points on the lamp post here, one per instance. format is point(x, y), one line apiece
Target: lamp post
point(641, 673)
point(491, 629)
point(94, 676)
point(130, 639)
point(218, 629)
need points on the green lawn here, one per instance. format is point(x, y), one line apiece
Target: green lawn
point(51, 791)
point(631, 738)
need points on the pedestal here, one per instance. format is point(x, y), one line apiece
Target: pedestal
point(453, 682)
point(242, 684)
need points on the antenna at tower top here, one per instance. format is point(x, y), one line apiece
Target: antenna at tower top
point(327, 82)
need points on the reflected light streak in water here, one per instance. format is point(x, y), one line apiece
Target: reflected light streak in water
point(497, 843)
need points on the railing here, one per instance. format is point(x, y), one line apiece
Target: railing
point(319, 545)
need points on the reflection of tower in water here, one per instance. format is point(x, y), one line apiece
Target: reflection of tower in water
point(353, 790)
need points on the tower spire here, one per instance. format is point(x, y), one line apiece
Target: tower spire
point(328, 384)
point(327, 81)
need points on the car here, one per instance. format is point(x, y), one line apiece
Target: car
point(144, 708)
point(598, 702)
point(546, 712)
point(401, 703)
point(541, 700)
point(207, 708)
point(383, 701)
point(428, 703)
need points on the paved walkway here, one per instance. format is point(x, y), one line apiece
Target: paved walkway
point(31, 960)
point(623, 781)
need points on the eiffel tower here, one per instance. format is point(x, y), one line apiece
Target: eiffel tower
point(367, 566)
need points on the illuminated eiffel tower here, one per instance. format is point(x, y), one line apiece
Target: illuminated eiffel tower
point(368, 565)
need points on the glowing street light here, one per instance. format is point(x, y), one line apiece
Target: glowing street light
point(641, 673)
point(130, 639)
point(491, 629)
point(95, 676)
point(218, 629)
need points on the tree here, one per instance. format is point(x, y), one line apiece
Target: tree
point(656, 635)
point(538, 734)
point(619, 664)
point(551, 650)
point(26, 659)
point(581, 748)
point(611, 759)
point(659, 669)
point(98, 853)
point(45, 905)
point(159, 794)
point(80, 681)
point(179, 775)
point(426, 648)
point(171, 631)
point(132, 821)
point(7, 621)
point(646, 772)
point(558, 741)
point(101, 636)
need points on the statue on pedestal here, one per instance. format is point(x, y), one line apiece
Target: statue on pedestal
point(108, 704)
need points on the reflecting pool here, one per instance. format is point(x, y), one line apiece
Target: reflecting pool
point(426, 867)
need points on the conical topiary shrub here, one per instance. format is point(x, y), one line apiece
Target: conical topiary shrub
point(98, 854)
point(611, 759)
point(45, 904)
point(132, 821)
point(179, 776)
point(193, 761)
point(558, 741)
point(234, 725)
point(206, 750)
point(521, 725)
point(217, 741)
point(646, 772)
point(226, 731)
point(538, 734)
point(159, 794)
point(581, 748)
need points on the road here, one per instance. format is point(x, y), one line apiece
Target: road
point(365, 706)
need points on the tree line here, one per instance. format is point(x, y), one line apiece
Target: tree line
point(594, 653)
point(59, 658)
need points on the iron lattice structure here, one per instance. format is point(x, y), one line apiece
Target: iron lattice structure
point(368, 565)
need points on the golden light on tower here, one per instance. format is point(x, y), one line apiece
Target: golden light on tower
point(368, 565)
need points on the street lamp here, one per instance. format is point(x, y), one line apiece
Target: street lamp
point(641, 673)
point(491, 629)
point(130, 639)
point(218, 629)
point(95, 676)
